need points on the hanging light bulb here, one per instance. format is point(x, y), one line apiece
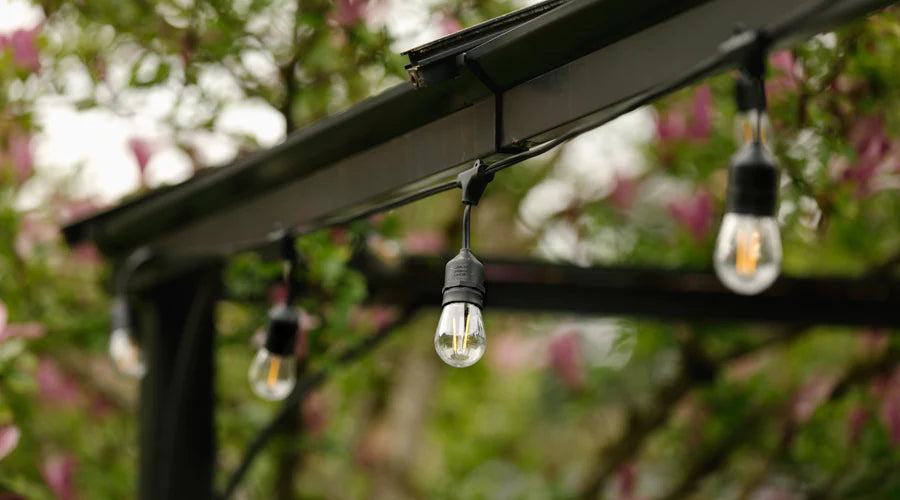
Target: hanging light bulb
point(747, 257)
point(124, 350)
point(273, 372)
point(459, 338)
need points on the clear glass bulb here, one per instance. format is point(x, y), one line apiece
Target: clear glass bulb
point(745, 127)
point(748, 253)
point(459, 339)
point(126, 354)
point(272, 377)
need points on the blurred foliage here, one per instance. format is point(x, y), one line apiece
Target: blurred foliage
point(559, 407)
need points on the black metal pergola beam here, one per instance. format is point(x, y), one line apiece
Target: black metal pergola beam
point(578, 64)
point(668, 294)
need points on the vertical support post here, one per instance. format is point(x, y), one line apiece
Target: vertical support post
point(175, 314)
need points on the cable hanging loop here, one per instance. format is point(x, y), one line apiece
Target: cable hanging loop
point(473, 183)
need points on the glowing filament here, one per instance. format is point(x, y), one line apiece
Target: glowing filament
point(747, 252)
point(466, 337)
point(273, 371)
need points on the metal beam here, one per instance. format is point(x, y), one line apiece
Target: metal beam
point(581, 63)
point(177, 433)
point(646, 292)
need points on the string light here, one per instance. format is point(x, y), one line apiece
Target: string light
point(273, 371)
point(460, 339)
point(124, 346)
point(748, 252)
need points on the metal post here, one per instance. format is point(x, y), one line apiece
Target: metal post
point(175, 315)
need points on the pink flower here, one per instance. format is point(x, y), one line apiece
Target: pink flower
point(810, 395)
point(872, 146)
point(425, 242)
point(29, 330)
point(33, 232)
point(142, 151)
point(511, 352)
point(315, 413)
point(59, 473)
point(54, 385)
point(701, 113)
point(9, 438)
point(624, 192)
point(671, 125)
point(86, 253)
point(71, 210)
point(627, 479)
point(349, 12)
point(694, 214)
point(25, 49)
point(565, 359)
point(782, 60)
point(890, 408)
point(856, 423)
point(21, 154)
point(449, 23)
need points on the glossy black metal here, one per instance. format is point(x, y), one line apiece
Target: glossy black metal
point(666, 294)
point(177, 447)
point(579, 64)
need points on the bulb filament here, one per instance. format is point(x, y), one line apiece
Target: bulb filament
point(273, 371)
point(465, 337)
point(747, 252)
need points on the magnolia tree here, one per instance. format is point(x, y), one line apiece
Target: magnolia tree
point(559, 407)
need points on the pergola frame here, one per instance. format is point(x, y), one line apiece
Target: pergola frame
point(486, 93)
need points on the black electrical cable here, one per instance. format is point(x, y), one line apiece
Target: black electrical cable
point(466, 225)
point(304, 386)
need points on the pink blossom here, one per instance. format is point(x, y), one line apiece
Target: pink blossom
point(511, 352)
point(142, 151)
point(782, 60)
point(425, 242)
point(59, 473)
point(21, 154)
point(72, 210)
point(54, 385)
point(9, 438)
point(627, 480)
point(856, 423)
point(565, 359)
point(86, 253)
point(33, 232)
point(872, 146)
point(25, 49)
point(624, 192)
point(4, 315)
point(315, 413)
point(449, 23)
point(29, 330)
point(890, 408)
point(810, 395)
point(671, 125)
point(694, 214)
point(349, 12)
point(701, 113)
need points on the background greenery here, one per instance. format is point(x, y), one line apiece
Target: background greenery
point(559, 407)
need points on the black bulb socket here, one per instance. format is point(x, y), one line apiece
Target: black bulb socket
point(749, 93)
point(283, 326)
point(464, 280)
point(752, 181)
